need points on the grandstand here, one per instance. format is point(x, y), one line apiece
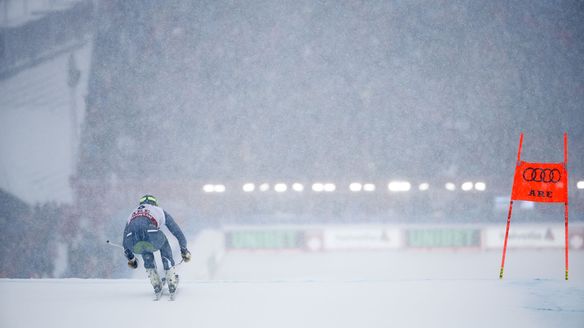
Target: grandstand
point(276, 93)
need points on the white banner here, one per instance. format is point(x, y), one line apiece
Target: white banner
point(526, 237)
point(370, 238)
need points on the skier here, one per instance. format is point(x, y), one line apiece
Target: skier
point(142, 235)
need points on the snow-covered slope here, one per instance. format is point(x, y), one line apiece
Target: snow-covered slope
point(349, 289)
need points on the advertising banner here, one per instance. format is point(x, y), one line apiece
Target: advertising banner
point(264, 239)
point(576, 238)
point(443, 238)
point(360, 238)
point(526, 237)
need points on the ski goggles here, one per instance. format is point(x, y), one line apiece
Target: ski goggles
point(148, 199)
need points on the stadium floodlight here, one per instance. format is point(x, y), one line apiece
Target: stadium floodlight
point(330, 187)
point(480, 186)
point(369, 187)
point(450, 186)
point(219, 188)
point(248, 187)
point(208, 188)
point(355, 187)
point(580, 184)
point(264, 187)
point(214, 188)
point(466, 186)
point(399, 186)
point(280, 187)
point(298, 187)
point(318, 187)
point(424, 186)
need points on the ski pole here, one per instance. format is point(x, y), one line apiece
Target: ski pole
point(176, 264)
point(113, 244)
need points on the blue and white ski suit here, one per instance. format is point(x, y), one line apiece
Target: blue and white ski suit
point(142, 235)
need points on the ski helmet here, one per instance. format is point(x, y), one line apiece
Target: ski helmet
point(148, 199)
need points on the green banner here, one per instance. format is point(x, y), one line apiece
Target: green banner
point(262, 239)
point(443, 238)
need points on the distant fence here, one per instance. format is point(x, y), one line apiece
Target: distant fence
point(393, 237)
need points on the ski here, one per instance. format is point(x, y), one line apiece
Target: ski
point(172, 294)
point(163, 290)
point(158, 295)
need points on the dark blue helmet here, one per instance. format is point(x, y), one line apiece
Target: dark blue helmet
point(148, 199)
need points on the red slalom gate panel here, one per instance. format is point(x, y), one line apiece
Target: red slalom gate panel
point(540, 182)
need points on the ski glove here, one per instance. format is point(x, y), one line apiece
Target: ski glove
point(133, 263)
point(186, 255)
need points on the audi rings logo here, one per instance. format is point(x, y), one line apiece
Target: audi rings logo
point(536, 174)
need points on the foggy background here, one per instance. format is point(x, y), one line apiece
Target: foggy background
point(174, 98)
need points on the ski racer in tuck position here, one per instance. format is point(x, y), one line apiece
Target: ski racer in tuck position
point(142, 235)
